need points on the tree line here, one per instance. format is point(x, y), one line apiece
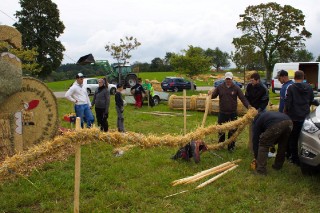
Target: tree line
point(271, 33)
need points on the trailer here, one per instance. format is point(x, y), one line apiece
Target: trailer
point(310, 69)
point(157, 98)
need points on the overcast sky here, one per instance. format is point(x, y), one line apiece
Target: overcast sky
point(160, 25)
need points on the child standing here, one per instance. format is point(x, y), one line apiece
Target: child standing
point(119, 108)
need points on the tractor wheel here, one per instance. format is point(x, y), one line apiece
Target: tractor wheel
point(131, 80)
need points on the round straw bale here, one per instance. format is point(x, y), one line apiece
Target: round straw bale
point(39, 109)
point(10, 79)
point(10, 35)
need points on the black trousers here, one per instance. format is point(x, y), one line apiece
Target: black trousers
point(102, 119)
point(292, 148)
point(222, 118)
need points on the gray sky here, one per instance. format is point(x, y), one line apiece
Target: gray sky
point(160, 25)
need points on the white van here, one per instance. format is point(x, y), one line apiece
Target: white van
point(310, 69)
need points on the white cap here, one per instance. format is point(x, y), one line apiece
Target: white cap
point(79, 75)
point(228, 75)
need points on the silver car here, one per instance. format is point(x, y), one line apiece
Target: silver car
point(309, 143)
point(91, 85)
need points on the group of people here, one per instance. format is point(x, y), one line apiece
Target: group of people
point(101, 102)
point(139, 91)
point(268, 128)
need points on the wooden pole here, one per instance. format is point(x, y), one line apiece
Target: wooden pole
point(148, 94)
point(185, 111)
point(77, 171)
point(206, 110)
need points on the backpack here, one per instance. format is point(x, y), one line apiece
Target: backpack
point(192, 149)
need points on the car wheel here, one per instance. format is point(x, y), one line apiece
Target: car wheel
point(175, 89)
point(307, 169)
point(113, 91)
point(156, 100)
point(88, 91)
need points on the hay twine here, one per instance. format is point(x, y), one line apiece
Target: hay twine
point(62, 146)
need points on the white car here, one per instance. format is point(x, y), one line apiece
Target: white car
point(91, 85)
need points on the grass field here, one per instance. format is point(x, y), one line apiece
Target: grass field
point(139, 180)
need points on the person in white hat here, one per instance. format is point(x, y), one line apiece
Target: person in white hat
point(228, 93)
point(79, 96)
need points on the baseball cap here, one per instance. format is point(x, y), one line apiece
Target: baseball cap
point(228, 75)
point(79, 75)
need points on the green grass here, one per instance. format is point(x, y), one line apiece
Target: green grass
point(139, 180)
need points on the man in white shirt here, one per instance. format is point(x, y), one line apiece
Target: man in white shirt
point(80, 98)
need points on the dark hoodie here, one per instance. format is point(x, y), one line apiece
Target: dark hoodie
point(298, 100)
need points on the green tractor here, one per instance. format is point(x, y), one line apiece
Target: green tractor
point(118, 73)
point(122, 74)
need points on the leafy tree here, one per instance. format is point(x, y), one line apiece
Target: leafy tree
point(27, 57)
point(218, 58)
point(157, 64)
point(302, 55)
point(192, 62)
point(318, 59)
point(141, 67)
point(167, 58)
point(40, 26)
point(273, 30)
point(121, 52)
point(247, 59)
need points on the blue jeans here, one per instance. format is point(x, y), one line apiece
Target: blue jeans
point(82, 111)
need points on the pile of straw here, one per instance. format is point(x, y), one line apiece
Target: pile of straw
point(10, 35)
point(63, 146)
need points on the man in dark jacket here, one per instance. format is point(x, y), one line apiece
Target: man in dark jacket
point(228, 93)
point(297, 106)
point(257, 93)
point(258, 96)
point(270, 128)
point(286, 82)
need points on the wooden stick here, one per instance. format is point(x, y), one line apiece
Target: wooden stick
point(176, 194)
point(206, 110)
point(185, 111)
point(216, 177)
point(77, 171)
point(200, 174)
point(211, 173)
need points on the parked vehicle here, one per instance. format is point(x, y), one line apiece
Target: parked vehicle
point(309, 143)
point(91, 85)
point(310, 69)
point(127, 78)
point(221, 80)
point(158, 96)
point(176, 84)
point(265, 82)
point(116, 73)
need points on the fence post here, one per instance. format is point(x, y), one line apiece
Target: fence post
point(77, 166)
